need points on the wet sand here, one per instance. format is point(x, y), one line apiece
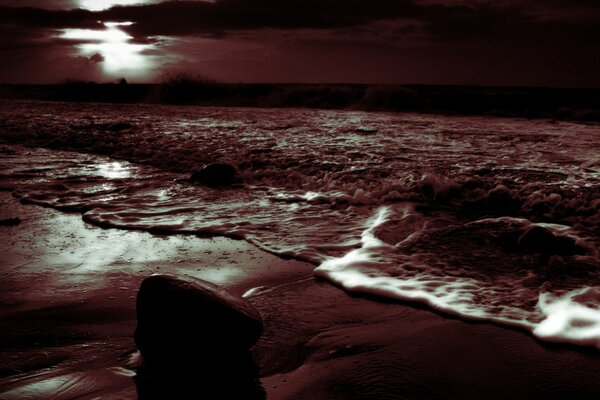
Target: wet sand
point(67, 315)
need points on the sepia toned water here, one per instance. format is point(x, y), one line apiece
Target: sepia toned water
point(480, 217)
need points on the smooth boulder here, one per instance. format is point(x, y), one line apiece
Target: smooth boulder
point(195, 338)
point(191, 315)
point(215, 175)
point(10, 221)
point(540, 240)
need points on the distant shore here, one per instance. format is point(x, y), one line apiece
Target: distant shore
point(576, 104)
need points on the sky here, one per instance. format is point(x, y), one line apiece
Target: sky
point(467, 42)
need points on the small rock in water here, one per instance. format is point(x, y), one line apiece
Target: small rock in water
point(366, 129)
point(195, 336)
point(538, 240)
point(118, 126)
point(10, 221)
point(541, 240)
point(217, 174)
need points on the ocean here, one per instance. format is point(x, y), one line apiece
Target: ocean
point(482, 218)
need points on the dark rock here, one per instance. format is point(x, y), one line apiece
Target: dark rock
point(538, 240)
point(483, 171)
point(194, 336)
point(362, 129)
point(10, 221)
point(192, 315)
point(541, 240)
point(217, 174)
point(117, 127)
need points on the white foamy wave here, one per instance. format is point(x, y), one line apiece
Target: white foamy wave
point(375, 269)
point(370, 270)
point(456, 218)
point(358, 197)
point(571, 318)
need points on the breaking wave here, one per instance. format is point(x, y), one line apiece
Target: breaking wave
point(482, 218)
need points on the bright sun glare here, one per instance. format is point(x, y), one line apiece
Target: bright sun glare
point(110, 35)
point(98, 5)
point(120, 56)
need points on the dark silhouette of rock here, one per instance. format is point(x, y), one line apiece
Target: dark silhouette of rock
point(10, 221)
point(195, 337)
point(118, 126)
point(366, 130)
point(540, 240)
point(215, 175)
point(186, 308)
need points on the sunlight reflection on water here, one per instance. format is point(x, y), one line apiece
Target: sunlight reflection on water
point(114, 170)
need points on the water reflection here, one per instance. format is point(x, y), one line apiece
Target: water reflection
point(114, 170)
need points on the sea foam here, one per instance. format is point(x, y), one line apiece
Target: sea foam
point(485, 218)
point(573, 317)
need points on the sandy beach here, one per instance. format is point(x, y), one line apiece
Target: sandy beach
point(296, 200)
point(68, 314)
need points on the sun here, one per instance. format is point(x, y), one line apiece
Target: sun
point(120, 56)
point(98, 5)
point(112, 34)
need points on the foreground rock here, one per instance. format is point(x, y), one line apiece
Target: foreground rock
point(193, 335)
point(541, 240)
point(118, 126)
point(215, 175)
point(10, 221)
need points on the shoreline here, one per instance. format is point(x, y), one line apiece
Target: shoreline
point(67, 312)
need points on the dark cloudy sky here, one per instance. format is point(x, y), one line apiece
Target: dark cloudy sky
point(502, 42)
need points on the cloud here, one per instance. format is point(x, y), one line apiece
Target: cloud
point(49, 66)
point(467, 35)
point(96, 58)
point(439, 20)
point(54, 4)
point(445, 20)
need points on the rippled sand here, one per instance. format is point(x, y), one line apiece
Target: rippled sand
point(67, 317)
point(477, 218)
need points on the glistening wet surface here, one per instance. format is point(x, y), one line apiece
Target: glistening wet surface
point(480, 217)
